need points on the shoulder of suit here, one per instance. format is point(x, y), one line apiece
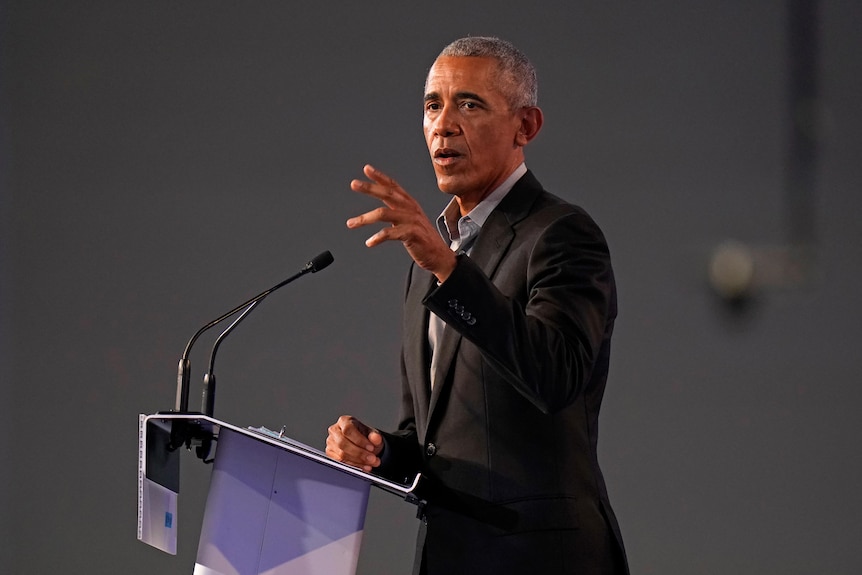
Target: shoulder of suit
point(529, 189)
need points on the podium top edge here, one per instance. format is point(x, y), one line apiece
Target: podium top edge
point(291, 445)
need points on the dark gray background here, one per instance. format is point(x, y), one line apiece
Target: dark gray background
point(162, 162)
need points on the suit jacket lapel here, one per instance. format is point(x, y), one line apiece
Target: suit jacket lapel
point(498, 231)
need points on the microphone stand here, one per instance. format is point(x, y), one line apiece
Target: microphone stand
point(183, 433)
point(208, 396)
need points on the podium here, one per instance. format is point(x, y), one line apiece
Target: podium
point(274, 507)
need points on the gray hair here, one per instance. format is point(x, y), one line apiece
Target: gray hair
point(517, 72)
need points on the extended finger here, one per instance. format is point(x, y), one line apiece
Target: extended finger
point(388, 194)
point(374, 216)
point(381, 186)
point(402, 233)
point(376, 175)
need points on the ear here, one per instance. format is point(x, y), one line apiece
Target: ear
point(531, 123)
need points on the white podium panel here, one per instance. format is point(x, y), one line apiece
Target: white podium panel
point(158, 485)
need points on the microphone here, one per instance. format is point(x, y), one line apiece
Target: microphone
point(184, 369)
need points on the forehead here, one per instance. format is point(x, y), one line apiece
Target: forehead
point(463, 73)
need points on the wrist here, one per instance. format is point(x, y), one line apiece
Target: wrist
point(446, 268)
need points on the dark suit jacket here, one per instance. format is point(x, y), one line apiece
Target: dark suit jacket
point(507, 439)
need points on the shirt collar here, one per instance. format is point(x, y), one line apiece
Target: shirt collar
point(449, 221)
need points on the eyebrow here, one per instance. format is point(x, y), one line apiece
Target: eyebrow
point(459, 96)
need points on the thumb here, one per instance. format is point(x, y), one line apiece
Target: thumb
point(375, 438)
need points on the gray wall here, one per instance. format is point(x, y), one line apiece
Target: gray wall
point(163, 162)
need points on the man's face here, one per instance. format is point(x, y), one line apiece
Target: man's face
point(470, 129)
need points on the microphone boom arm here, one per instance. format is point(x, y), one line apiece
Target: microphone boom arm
point(184, 368)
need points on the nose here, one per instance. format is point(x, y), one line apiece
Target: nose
point(445, 123)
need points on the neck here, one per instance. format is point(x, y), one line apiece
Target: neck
point(467, 202)
point(465, 206)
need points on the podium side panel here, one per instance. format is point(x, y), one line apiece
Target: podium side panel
point(158, 517)
point(158, 485)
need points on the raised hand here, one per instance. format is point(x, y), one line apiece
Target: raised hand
point(407, 223)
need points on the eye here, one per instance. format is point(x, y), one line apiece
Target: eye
point(432, 106)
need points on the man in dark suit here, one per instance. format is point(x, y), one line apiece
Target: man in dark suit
point(509, 310)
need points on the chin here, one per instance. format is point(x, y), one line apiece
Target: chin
point(448, 185)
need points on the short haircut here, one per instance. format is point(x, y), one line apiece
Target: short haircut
point(518, 75)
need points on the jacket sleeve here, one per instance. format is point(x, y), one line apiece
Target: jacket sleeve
point(545, 336)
